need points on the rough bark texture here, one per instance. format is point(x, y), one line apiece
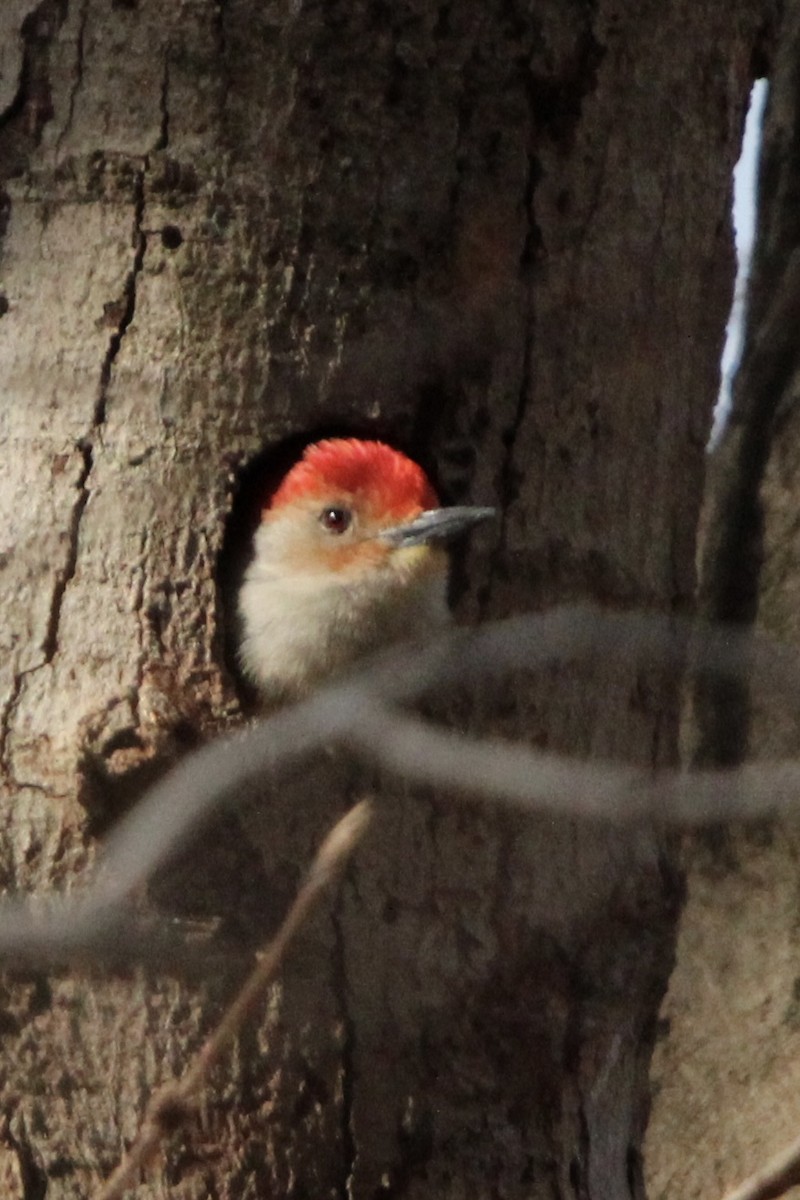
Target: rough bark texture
point(727, 1068)
point(498, 235)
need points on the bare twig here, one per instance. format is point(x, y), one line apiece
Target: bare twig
point(173, 1104)
point(773, 1179)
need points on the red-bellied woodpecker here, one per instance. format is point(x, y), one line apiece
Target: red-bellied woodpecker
point(348, 558)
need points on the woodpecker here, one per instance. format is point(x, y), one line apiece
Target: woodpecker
point(348, 558)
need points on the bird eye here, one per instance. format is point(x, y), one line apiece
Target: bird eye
point(336, 520)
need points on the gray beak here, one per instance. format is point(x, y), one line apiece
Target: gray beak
point(436, 525)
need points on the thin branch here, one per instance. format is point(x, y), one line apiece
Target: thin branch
point(64, 927)
point(518, 775)
point(174, 1103)
point(214, 775)
point(773, 1179)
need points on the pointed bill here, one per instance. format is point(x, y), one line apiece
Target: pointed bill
point(437, 524)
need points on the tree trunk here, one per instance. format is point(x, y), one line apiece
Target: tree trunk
point(732, 1011)
point(497, 236)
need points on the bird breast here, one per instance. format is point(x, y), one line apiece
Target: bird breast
point(298, 630)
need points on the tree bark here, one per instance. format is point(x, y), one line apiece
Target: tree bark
point(498, 236)
point(726, 1069)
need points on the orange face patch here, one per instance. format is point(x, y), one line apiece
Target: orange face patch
point(355, 556)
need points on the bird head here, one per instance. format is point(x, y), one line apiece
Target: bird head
point(349, 556)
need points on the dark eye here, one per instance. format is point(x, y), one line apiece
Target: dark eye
point(336, 520)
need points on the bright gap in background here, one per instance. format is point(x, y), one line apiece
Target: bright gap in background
point(745, 178)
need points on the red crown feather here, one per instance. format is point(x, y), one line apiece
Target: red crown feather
point(349, 467)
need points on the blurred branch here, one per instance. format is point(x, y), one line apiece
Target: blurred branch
point(504, 772)
point(773, 1179)
point(362, 711)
